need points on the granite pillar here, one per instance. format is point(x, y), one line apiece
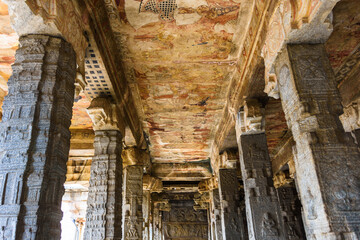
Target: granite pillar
point(35, 138)
point(146, 214)
point(132, 202)
point(231, 219)
point(103, 217)
point(291, 212)
point(215, 216)
point(325, 156)
point(263, 211)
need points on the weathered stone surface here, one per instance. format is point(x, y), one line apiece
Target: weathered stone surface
point(103, 218)
point(215, 216)
point(184, 222)
point(262, 206)
point(146, 209)
point(231, 219)
point(291, 213)
point(326, 157)
point(36, 138)
point(132, 202)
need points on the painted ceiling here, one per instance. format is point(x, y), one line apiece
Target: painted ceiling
point(178, 55)
point(179, 52)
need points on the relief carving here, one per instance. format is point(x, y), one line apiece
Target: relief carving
point(37, 114)
point(269, 226)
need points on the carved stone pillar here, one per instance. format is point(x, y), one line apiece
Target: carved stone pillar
point(291, 212)
point(156, 221)
point(216, 227)
point(231, 219)
point(103, 216)
point(132, 202)
point(326, 158)
point(146, 214)
point(263, 213)
point(262, 206)
point(35, 138)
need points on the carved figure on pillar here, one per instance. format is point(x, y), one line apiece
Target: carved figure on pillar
point(132, 202)
point(325, 156)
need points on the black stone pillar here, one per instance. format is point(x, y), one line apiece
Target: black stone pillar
point(35, 138)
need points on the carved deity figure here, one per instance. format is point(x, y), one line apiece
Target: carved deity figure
point(269, 226)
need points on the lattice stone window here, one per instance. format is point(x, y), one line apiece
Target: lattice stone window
point(95, 71)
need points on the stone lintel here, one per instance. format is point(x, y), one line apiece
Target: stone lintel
point(182, 171)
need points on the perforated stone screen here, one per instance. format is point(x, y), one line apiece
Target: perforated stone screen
point(95, 74)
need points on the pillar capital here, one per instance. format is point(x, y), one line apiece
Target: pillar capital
point(152, 184)
point(104, 114)
point(202, 201)
point(250, 119)
point(208, 184)
point(135, 156)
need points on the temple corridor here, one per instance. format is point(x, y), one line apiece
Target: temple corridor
point(179, 119)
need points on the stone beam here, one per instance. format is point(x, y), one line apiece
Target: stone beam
point(105, 21)
point(181, 171)
point(257, 14)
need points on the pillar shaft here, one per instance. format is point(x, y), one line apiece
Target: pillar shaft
point(325, 158)
point(216, 227)
point(103, 218)
point(231, 219)
point(146, 214)
point(132, 202)
point(35, 138)
point(262, 206)
point(156, 221)
point(291, 212)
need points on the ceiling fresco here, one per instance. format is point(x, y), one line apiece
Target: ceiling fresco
point(178, 51)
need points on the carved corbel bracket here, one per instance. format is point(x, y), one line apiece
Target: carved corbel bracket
point(202, 201)
point(152, 184)
point(229, 159)
point(104, 115)
point(271, 86)
point(207, 185)
point(251, 118)
point(80, 84)
point(282, 179)
point(164, 205)
point(135, 156)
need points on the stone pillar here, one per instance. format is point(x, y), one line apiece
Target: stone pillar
point(103, 216)
point(132, 202)
point(146, 214)
point(231, 219)
point(291, 211)
point(216, 227)
point(35, 138)
point(156, 221)
point(263, 213)
point(262, 206)
point(326, 158)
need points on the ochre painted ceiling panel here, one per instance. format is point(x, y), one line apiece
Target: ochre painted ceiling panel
point(178, 52)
